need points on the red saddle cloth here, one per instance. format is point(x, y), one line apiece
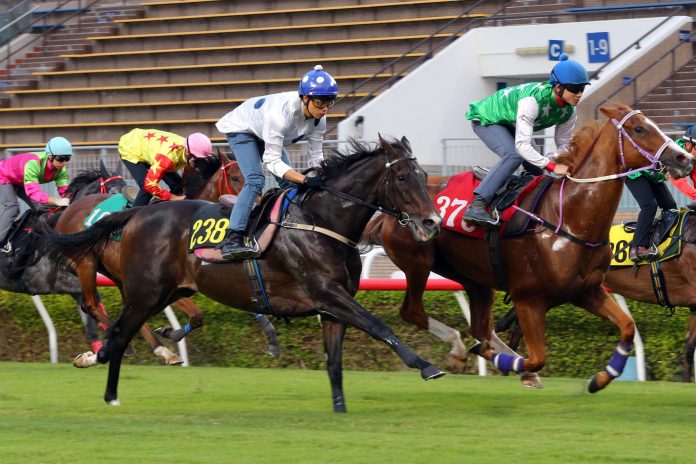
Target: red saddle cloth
point(458, 195)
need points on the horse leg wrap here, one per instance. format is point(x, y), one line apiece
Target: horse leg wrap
point(508, 362)
point(618, 359)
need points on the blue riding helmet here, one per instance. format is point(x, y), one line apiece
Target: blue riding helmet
point(568, 72)
point(690, 134)
point(58, 146)
point(318, 83)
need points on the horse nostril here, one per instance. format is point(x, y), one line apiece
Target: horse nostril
point(430, 224)
point(681, 159)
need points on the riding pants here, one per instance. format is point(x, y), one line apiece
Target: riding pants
point(9, 204)
point(139, 172)
point(248, 149)
point(501, 140)
point(649, 196)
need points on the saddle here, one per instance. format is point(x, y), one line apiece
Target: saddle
point(524, 190)
point(264, 223)
point(660, 228)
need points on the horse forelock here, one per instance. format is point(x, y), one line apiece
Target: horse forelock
point(580, 145)
point(197, 177)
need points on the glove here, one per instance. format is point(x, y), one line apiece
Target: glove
point(62, 202)
point(313, 182)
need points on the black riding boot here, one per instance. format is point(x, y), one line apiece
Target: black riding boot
point(234, 248)
point(477, 215)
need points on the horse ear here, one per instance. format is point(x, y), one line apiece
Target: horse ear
point(103, 169)
point(386, 146)
point(222, 157)
point(406, 144)
point(611, 112)
point(119, 168)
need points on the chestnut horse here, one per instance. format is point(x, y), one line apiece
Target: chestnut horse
point(207, 181)
point(311, 267)
point(546, 266)
point(680, 283)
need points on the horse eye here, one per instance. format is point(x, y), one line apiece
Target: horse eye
point(401, 178)
point(639, 130)
point(235, 179)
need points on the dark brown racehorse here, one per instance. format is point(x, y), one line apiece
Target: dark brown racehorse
point(207, 181)
point(544, 267)
point(305, 272)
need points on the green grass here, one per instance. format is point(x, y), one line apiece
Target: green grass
point(55, 414)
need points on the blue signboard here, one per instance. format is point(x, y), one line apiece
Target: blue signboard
point(555, 49)
point(598, 47)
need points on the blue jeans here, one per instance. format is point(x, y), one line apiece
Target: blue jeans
point(500, 139)
point(248, 150)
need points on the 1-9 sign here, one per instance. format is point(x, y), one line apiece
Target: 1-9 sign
point(598, 47)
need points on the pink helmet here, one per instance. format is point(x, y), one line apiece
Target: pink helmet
point(199, 145)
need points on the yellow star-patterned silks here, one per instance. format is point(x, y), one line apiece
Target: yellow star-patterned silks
point(156, 166)
point(152, 183)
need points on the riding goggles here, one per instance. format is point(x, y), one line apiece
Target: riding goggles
point(322, 103)
point(61, 158)
point(575, 88)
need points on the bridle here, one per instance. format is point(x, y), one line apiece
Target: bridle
point(103, 182)
point(402, 217)
point(224, 179)
point(654, 159)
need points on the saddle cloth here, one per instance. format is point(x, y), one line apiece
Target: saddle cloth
point(458, 195)
point(621, 237)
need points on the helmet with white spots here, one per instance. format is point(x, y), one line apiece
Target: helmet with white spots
point(318, 83)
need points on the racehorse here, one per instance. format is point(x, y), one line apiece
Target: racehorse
point(311, 267)
point(210, 179)
point(548, 265)
point(679, 279)
point(39, 276)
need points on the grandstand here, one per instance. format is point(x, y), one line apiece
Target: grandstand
point(96, 69)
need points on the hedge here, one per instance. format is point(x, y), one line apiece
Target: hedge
point(579, 344)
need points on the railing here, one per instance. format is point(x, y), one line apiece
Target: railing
point(14, 18)
point(9, 53)
point(650, 67)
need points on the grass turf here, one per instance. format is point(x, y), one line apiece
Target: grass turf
point(55, 414)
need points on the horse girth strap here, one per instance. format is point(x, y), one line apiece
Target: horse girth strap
point(321, 230)
point(660, 286)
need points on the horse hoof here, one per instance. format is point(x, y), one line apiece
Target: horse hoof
point(592, 386)
point(85, 360)
point(163, 331)
point(456, 364)
point(432, 372)
point(599, 382)
point(170, 358)
point(476, 348)
point(174, 360)
point(114, 402)
point(274, 350)
point(531, 380)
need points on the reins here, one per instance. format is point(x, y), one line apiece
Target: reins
point(403, 218)
point(655, 163)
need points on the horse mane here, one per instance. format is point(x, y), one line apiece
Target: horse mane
point(196, 178)
point(580, 145)
point(81, 180)
point(339, 160)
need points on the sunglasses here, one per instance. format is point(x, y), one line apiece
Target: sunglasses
point(575, 88)
point(61, 159)
point(322, 103)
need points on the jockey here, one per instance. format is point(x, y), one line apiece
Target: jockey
point(151, 155)
point(506, 120)
point(21, 175)
point(650, 191)
point(258, 129)
point(688, 143)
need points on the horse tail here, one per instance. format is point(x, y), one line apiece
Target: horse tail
point(92, 240)
point(372, 235)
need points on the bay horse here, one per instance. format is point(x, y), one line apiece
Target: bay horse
point(208, 180)
point(544, 267)
point(311, 267)
point(36, 275)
